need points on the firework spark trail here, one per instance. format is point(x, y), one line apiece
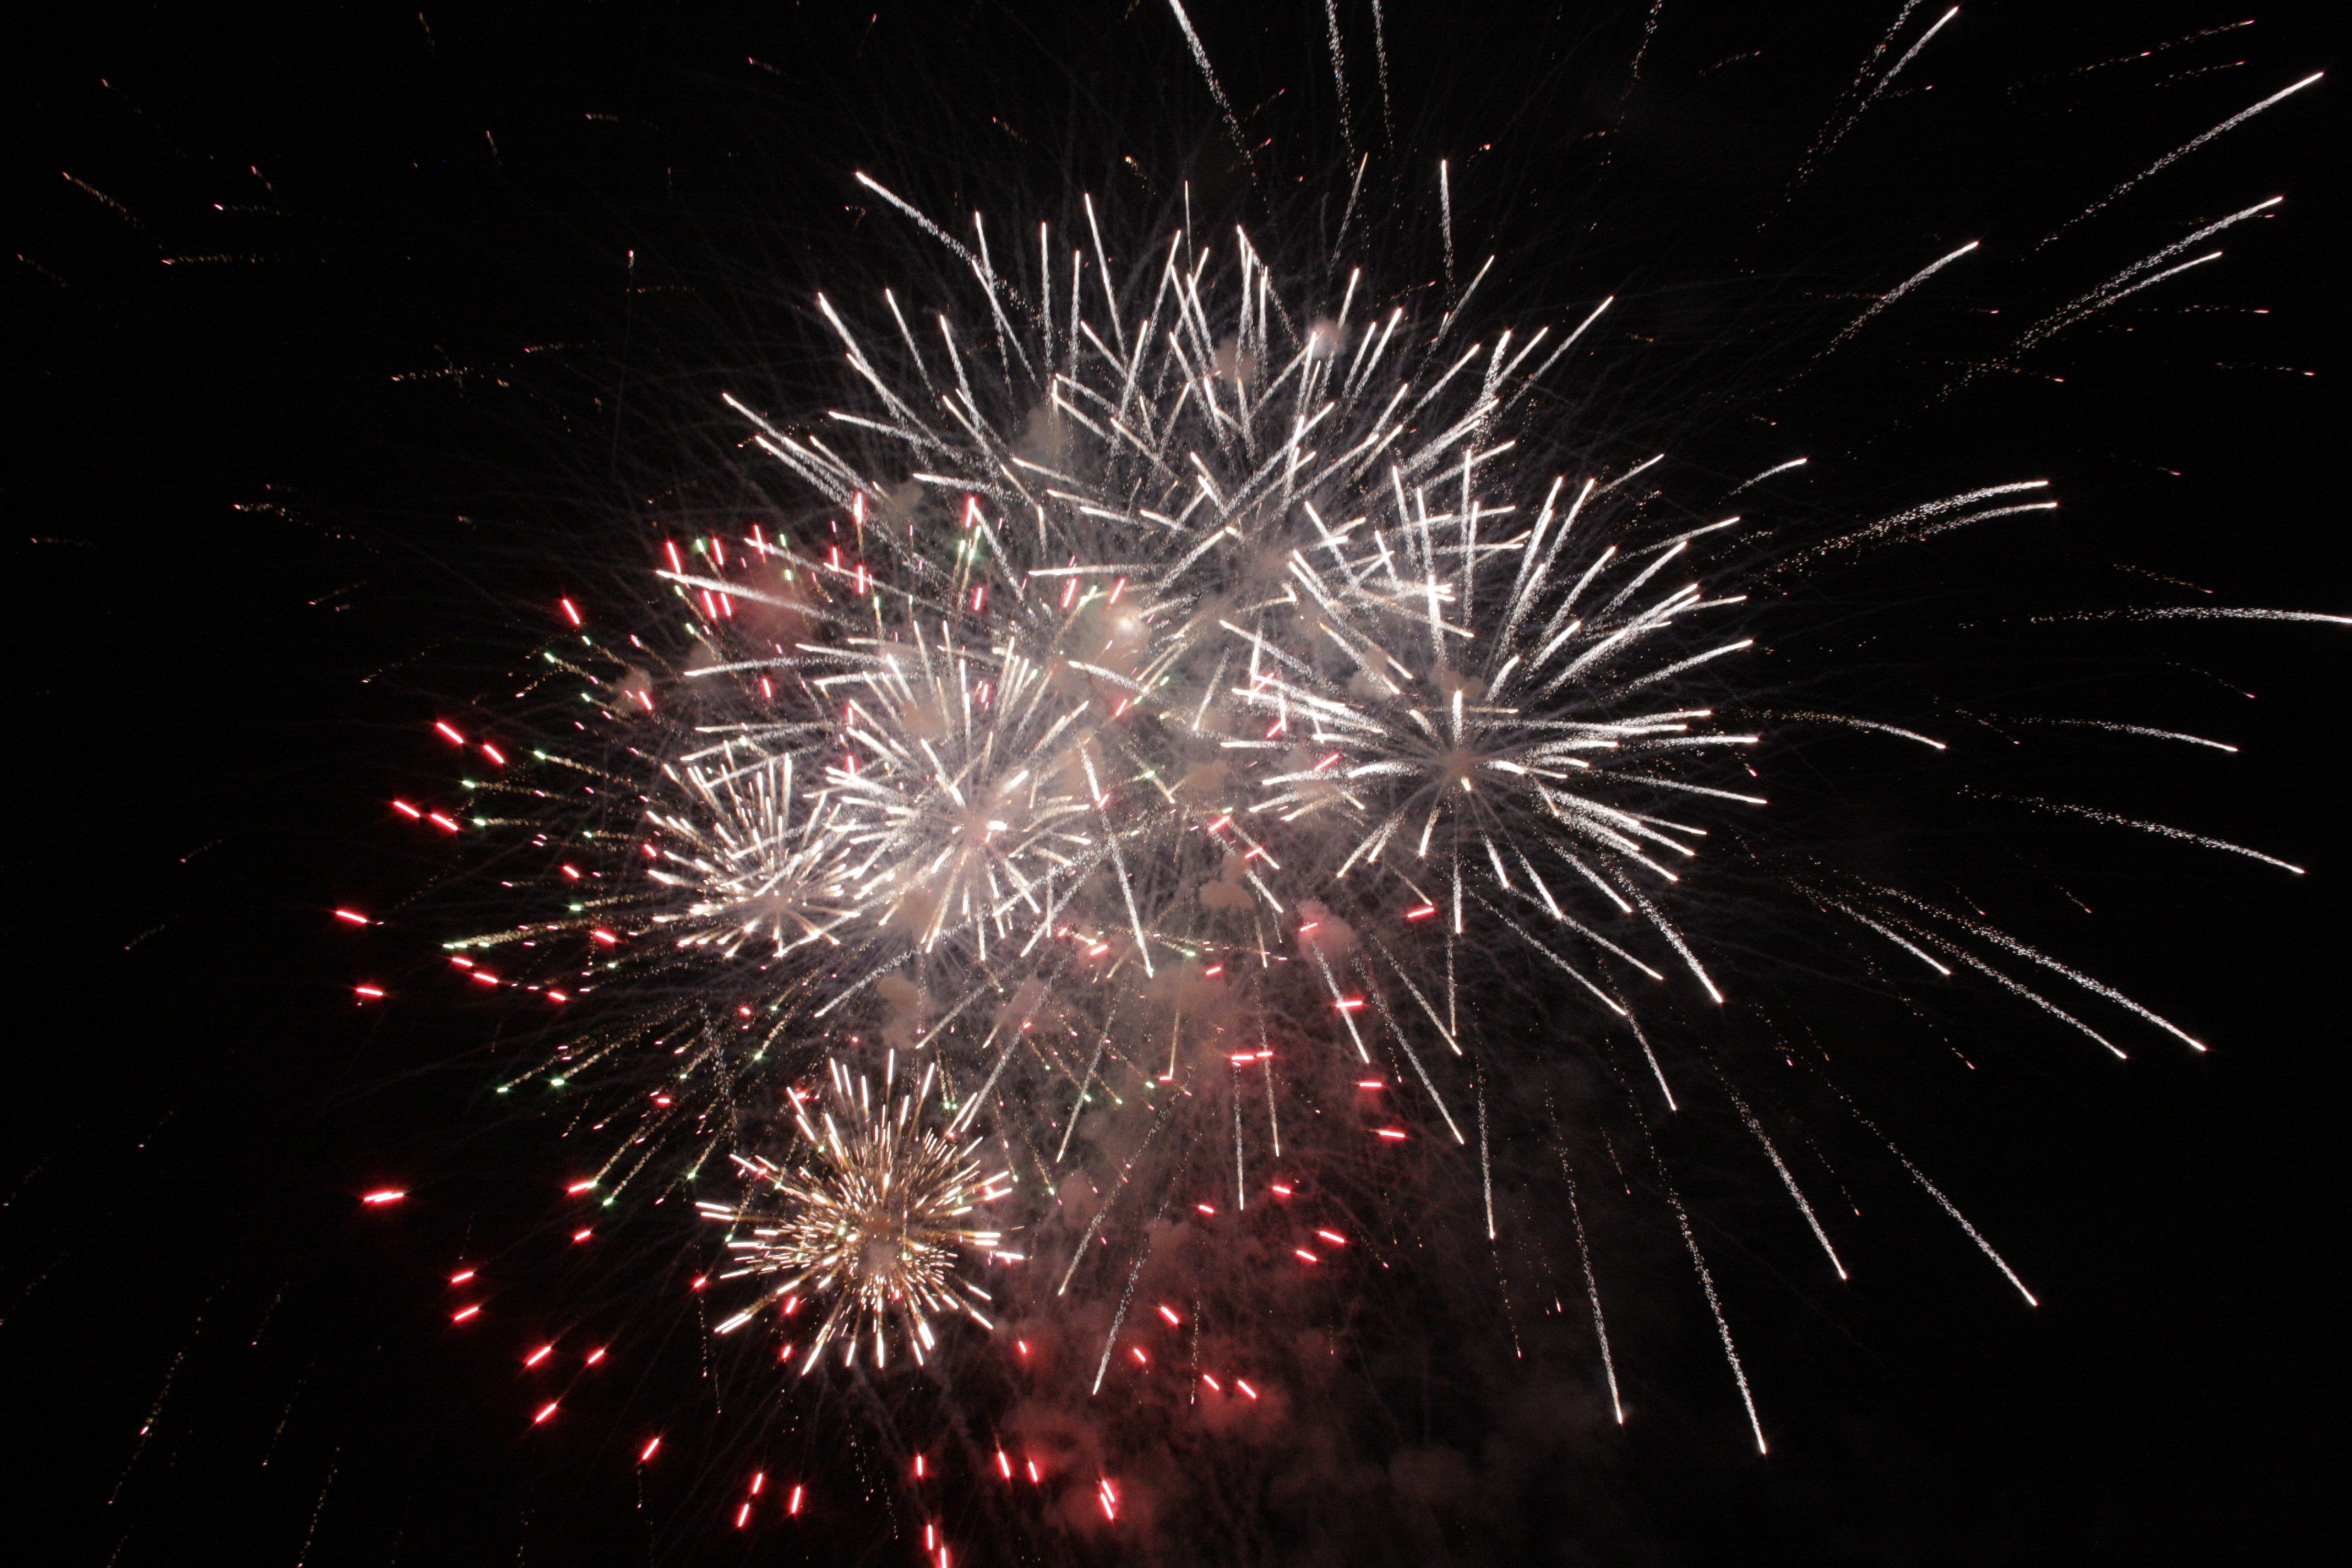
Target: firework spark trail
point(2091, 813)
point(1788, 1179)
point(2112, 728)
point(2200, 613)
point(1340, 77)
point(2097, 987)
point(1216, 89)
point(1592, 1290)
point(2115, 289)
point(2177, 153)
point(1886, 528)
point(1883, 301)
point(1775, 468)
point(1827, 142)
point(1847, 721)
point(1946, 1204)
point(1715, 1305)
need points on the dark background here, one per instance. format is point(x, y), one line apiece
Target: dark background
point(288, 432)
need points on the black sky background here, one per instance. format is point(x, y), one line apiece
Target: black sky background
point(269, 359)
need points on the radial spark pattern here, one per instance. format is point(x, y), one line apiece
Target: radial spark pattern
point(869, 1216)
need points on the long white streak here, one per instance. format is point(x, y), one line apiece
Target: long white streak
point(2200, 613)
point(1593, 1293)
point(1949, 1207)
point(1652, 1057)
point(1216, 89)
point(2115, 729)
point(1119, 1318)
point(1787, 1180)
point(2179, 153)
point(1485, 1163)
point(1878, 90)
point(1339, 76)
point(1776, 468)
point(1722, 1325)
point(1885, 299)
point(2161, 829)
point(1851, 724)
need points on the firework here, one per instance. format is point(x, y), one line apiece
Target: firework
point(1182, 676)
point(1170, 667)
point(870, 1218)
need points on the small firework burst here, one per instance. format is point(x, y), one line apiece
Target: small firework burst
point(871, 1218)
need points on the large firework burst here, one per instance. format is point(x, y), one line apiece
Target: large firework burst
point(1174, 667)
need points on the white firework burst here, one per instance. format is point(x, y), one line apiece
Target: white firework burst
point(870, 1218)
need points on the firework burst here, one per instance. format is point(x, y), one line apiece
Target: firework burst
point(869, 1216)
point(1176, 688)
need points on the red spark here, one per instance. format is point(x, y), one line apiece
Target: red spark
point(540, 1354)
point(1169, 1313)
point(1422, 913)
point(388, 1195)
point(352, 917)
point(1302, 1253)
point(571, 611)
point(449, 730)
point(462, 1278)
point(373, 992)
point(594, 1356)
point(494, 754)
point(407, 810)
point(1333, 1237)
point(650, 1450)
point(1394, 1134)
point(794, 1506)
point(548, 1410)
point(463, 1313)
point(576, 1188)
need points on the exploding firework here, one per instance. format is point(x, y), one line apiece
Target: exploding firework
point(1181, 685)
point(870, 1218)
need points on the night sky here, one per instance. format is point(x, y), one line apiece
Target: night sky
point(343, 333)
